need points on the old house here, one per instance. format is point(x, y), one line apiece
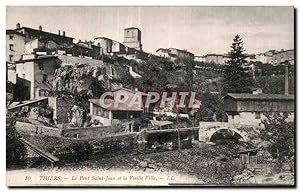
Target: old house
point(15, 45)
point(105, 44)
point(109, 112)
point(215, 58)
point(42, 46)
point(199, 58)
point(85, 49)
point(38, 71)
point(112, 47)
point(283, 56)
point(173, 54)
point(251, 109)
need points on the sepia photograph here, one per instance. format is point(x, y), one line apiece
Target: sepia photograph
point(149, 96)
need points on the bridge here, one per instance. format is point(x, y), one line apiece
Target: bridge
point(208, 129)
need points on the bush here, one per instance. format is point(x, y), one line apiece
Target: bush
point(81, 151)
point(15, 150)
point(280, 135)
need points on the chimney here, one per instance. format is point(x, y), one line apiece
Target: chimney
point(90, 43)
point(58, 32)
point(18, 26)
point(40, 28)
point(286, 80)
point(64, 33)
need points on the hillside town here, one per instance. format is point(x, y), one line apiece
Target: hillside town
point(71, 102)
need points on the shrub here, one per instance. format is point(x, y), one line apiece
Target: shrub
point(81, 151)
point(15, 150)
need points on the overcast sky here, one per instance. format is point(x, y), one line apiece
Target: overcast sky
point(201, 30)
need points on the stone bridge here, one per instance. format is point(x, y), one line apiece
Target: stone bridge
point(207, 129)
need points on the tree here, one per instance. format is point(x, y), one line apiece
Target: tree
point(154, 77)
point(212, 108)
point(280, 135)
point(15, 150)
point(189, 73)
point(236, 79)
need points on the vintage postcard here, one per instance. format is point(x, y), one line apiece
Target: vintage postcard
point(150, 96)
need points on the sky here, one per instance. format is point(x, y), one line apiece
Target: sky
point(200, 30)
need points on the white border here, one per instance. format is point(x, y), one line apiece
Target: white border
point(4, 3)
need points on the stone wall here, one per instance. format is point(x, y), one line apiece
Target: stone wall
point(70, 60)
point(91, 132)
point(23, 127)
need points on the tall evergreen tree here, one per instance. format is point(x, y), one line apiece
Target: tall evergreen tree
point(236, 78)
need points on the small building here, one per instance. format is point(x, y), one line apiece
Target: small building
point(251, 109)
point(42, 46)
point(283, 56)
point(108, 113)
point(248, 156)
point(85, 49)
point(173, 53)
point(199, 58)
point(161, 124)
point(215, 58)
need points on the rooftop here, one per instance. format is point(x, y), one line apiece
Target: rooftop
point(249, 96)
point(110, 105)
point(132, 28)
point(37, 30)
point(13, 31)
point(161, 123)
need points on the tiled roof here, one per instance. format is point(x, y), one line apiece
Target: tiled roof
point(161, 123)
point(249, 96)
point(112, 107)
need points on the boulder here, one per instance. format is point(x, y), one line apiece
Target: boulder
point(143, 164)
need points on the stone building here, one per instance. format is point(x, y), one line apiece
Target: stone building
point(251, 109)
point(173, 54)
point(215, 58)
point(15, 45)
point(85, 49)
point(105, 44)
point(133, 38)
point(38, 71)
point(283, 56)
point(108, 113)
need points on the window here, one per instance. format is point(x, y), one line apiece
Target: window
point(11, 57)
point(257, 115)
point(11, 37)
point(11, 47)
point(45, 78)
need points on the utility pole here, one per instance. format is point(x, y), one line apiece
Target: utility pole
point(286, 80)
point(178, 131)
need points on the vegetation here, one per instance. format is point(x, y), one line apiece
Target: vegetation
point(280, 135)
point(211, 108)
point(236, 78)
point(154, 77)
point(15, 150)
